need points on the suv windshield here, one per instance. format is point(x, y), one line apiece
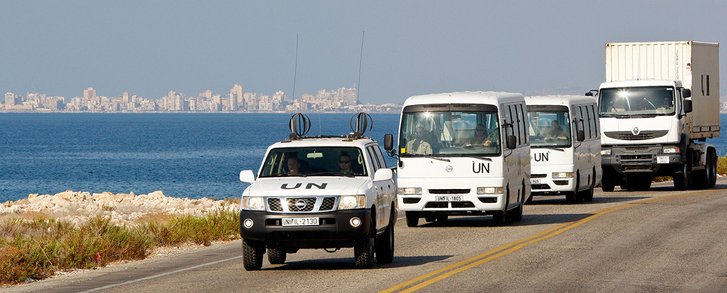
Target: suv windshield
point(549, 126)
point(656, 100)
point(314, 161)
point(450, 132)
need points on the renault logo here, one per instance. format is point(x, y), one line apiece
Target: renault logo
point(300, 204)
point(635, 131)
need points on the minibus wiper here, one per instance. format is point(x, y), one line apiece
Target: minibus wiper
point(484, 159)
point(440, 159)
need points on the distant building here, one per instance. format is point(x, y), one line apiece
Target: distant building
point(9, 100)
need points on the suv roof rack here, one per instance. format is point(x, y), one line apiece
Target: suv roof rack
point(299, 125)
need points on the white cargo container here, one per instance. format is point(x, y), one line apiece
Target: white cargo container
point(659, 103)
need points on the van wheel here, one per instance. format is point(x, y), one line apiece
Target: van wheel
point(385, 245)
point(252, 255)
point(516, 214)
point(499, 219)
point(587, 195)
point(363, 250)
point(412, 219)
point(276, 256)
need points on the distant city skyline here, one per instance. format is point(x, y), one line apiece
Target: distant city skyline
point(410, 47)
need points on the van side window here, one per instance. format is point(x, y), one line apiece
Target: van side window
point(596, 128)
point(522, 125)
point(587, 122)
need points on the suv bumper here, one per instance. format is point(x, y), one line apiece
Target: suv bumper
point(333, 230)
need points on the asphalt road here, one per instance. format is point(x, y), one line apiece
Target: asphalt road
point(660, 240)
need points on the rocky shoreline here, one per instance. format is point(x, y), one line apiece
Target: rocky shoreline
point(77, 207)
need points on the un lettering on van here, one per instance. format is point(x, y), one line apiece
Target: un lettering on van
point(479, 167)
point(541, 157)
point(307, 186)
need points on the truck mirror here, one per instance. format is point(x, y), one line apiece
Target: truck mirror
point(388, 142)
point(247, 176)
point(581, 136)
point(511, 142)
point(686, 93)
point(687, 106)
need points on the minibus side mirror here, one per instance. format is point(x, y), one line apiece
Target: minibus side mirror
point(511, 142)
point(687, 106)
point(388, 142)
point(581, 136)
point(686, 93)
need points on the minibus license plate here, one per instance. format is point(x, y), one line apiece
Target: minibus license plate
point(312, 221)
point(534, 180)
point(448, 198)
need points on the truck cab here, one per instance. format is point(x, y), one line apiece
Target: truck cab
point(326, 192)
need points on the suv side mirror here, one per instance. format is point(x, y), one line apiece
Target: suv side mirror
point(383, 174)
point(511, 142)
point(686, 93)
point(581, 136)
point(687, 106)
point(247, 176)
point(388, 142)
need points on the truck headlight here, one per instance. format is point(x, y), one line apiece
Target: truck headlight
point(253, 203)
point(347, 202)
point(490, 190)
point(606, 152)
point(409, 191)
point(671, 149)
point(562, 174)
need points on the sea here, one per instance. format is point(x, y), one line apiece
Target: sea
point(190, 155)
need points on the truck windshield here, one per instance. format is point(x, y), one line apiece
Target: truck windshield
point(314, 161)
point(450, 133)
point(657, 100)
point(549, 126)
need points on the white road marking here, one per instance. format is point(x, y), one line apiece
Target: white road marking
point(161, 275)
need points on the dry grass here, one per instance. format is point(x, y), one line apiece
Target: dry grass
point(35, 249)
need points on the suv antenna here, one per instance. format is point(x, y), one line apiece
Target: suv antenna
point(360, 59)
point(295, 70)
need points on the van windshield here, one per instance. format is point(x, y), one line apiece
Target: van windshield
point(314, 161)
point(549, 127)
point(636, 101)
point(449, 133)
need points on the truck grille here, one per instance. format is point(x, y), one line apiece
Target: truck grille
point(449, 191)
point(628, 135)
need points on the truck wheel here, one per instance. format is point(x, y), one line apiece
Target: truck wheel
point(681, 179)
point(252, 255)
point(363, 250)
point(385, 245)
point(607, 183)
point(276, 256)
point(711, 168)
point(412, 219)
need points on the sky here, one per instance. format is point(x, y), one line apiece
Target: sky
point(410, 47)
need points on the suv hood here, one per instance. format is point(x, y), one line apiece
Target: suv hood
point(308, 186)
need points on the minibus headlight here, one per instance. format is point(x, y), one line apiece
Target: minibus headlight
point(671, 150)
point(409, 191)
point(490, 190)
point(606, 152)
point(347, 202)
point(562, 174)
point(253, 203)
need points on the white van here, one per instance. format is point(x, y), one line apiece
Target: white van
point(565, 146)
point(463, 153)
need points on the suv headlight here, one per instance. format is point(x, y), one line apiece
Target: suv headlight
point(490, 190)
point(606, 152)
point(409, 191)
point(347, 202)
point(562, 174)
point(671, 149)
point(253, 203)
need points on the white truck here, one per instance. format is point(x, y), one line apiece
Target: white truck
point(659, 104)
point(565, 146)
point(324, 192)
point(463, 153)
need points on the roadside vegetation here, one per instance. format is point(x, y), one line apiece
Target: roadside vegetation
point(35, 249)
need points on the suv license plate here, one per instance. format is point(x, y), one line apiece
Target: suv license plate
point(448, 198)
point(312, 221)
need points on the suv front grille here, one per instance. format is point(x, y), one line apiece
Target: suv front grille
point(274, 204)
point(328, 203)
point(301, 204)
